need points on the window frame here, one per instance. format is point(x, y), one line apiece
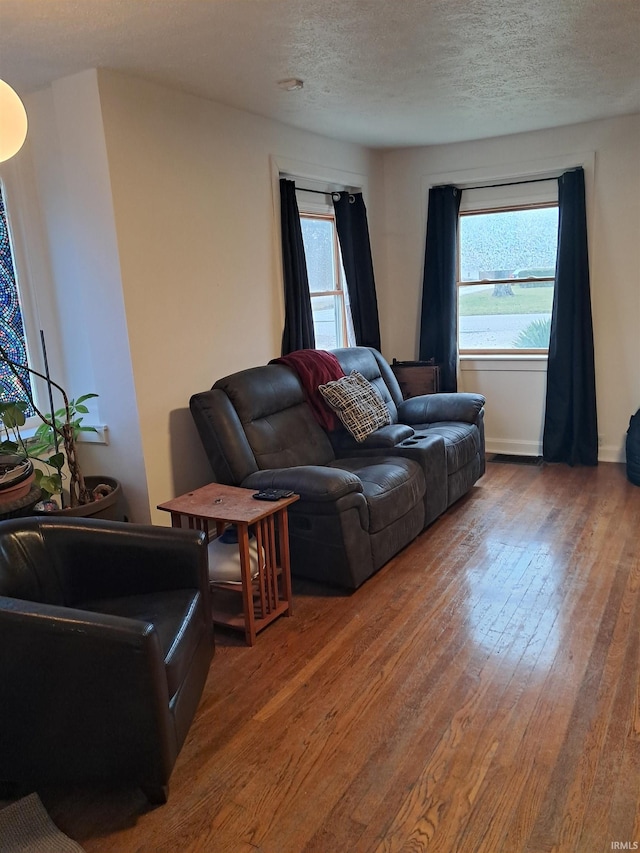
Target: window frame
point(307, 211)
point(39, 302)
point(17, 228)
point(488, 209)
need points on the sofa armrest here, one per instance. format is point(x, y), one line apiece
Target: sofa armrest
point(434, 408)
point(61, 670)
point(32, 628)
point(344, 444)
point(104, 559)
point(311, 482)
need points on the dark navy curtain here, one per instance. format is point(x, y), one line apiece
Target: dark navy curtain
point(298, 319)
point(570, 427)
point(438, 321)
point(353, 234)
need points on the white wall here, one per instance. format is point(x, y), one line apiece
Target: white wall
point(80, 303)
point(192, 184)
point(613, 201)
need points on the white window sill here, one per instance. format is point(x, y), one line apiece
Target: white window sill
point(503, 362)
point(100, 436)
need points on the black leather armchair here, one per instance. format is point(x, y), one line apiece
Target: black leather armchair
point(105, 644)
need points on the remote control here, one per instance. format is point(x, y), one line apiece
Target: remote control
point(272, 494)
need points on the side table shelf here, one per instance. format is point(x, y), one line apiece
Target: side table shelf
point(264, 597)
point(254, 603)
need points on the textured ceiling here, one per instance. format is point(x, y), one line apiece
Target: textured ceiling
point(378, 72)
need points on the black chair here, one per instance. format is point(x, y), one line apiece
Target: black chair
point(106, 640)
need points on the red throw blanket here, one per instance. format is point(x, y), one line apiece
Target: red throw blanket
point(315, 367)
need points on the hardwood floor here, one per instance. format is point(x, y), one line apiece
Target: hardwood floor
point(480, 693)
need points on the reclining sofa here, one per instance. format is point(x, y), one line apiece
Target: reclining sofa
point(360, 501)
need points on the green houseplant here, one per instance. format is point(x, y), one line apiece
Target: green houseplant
point(44, 447)
point(53, 447)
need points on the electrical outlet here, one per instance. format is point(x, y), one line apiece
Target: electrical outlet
point(100, 436)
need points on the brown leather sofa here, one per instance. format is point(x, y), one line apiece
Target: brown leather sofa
point(105, 644)
point(360, 503)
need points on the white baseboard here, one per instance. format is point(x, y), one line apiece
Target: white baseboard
point(513, 448)
point(606, 453)
point(611, 453)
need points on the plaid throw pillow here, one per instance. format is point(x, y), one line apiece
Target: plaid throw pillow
point(357, 403)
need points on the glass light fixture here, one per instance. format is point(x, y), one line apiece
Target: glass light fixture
point(13, 122)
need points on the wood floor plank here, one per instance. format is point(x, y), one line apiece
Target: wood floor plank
point(615, 803)
point(480, 694)
point(484, 726)
point(560, 823)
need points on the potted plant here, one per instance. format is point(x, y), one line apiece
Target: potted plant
point(52, 449)
point(17, 475)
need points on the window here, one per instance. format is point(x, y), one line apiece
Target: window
point(12, 333)
point(329, 296)
point(506, 266)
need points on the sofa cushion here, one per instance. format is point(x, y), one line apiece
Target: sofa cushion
point(374, 368)
point(173, 614)
point(278, 424)
point(392, 486)
point(357, 403)
point(315, 367)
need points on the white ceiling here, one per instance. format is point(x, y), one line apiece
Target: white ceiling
point(383, 73)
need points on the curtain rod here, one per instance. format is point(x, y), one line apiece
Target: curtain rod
point(335, 194)
point(318, 192)
point(511, 184)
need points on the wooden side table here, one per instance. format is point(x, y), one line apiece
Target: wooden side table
point(268, 595)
